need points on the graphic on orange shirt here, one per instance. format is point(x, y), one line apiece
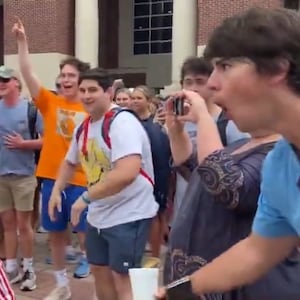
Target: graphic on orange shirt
point(96, 164)
point(67, 121)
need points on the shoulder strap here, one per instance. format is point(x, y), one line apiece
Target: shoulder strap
point(32, 116)
point(222, 125)
point(79, 131)
point(108, 119)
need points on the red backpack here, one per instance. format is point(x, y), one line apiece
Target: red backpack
point(108, 119)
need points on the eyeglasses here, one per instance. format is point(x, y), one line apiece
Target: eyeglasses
point(5, 80)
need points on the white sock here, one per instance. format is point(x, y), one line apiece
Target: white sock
point(61, 278)
point(82, 254)
point(11, 265)
point(70, 250)
point(28, 264)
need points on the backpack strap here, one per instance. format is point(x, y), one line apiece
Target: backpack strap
point(32, 117)
point(79, 131)
point(108, 119)
point(222, 125)
point(83, 129)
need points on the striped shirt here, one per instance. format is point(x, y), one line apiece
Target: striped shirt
point(6, 292)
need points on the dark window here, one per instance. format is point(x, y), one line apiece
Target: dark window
point(165, 47)
point(161, 21)
point(141, 10)
point(162, 8)
point(141, 48)
point(141, 23)
point(153, 26)
point(161, 34)
point(141, 36)
point(291, 4)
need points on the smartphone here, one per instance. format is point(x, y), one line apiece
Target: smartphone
point(178, 106)
point(180, 290)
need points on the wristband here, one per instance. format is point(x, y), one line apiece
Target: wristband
point(85, 198)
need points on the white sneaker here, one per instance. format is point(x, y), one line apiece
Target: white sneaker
point(60, 293)
point(28, 282)
point(14, 276)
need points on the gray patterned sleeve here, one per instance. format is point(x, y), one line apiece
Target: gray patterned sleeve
point(235, 184)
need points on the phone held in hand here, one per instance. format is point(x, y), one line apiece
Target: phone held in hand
point(180, 290)
point(178, 106)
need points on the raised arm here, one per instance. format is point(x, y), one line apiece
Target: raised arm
point(180, 143)
point(31, 80)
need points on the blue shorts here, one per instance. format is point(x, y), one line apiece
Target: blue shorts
point(119, 247)
point(69, 196)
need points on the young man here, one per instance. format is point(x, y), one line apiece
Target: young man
point(61, 113)
point(120, 187)
point(17, 180)
point(257, 60)
point(195, 72)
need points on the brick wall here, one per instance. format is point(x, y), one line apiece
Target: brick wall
point(49, 25)
point(212, 12)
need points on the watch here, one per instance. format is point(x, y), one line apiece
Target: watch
point(85, 198)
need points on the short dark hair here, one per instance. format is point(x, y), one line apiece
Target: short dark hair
point(197, 66)
point(76, 63)
point(101, 76)
point(265, 36)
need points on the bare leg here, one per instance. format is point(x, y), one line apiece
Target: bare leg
point(104, 283)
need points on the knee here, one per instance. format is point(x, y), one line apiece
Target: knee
point(24, 222)
point(122, 283)
point(10, 223)
point(24, 227)
point(57, 239)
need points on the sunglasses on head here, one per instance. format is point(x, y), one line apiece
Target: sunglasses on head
point(4, 80)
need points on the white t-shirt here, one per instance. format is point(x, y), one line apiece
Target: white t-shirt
point(127, 137)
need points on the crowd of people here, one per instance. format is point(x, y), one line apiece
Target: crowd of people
point(218, 183)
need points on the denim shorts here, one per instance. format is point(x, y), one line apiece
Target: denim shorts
point(119, 247)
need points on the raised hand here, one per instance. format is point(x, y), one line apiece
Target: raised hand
point(18, 30)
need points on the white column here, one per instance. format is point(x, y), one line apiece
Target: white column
point(184, 36)
point(87, 31)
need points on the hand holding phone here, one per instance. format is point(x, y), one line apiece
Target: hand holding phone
point(178, 106)
point(180, 290)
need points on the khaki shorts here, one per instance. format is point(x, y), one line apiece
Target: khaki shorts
point(17, 192)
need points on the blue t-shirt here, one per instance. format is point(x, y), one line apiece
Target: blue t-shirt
point(278, 212)
point(16, 161)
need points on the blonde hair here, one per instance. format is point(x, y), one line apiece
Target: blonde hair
point(145, 90)
point(149, 95)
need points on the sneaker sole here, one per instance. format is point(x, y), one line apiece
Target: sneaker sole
point(28, 289)
point(69, 262)
point(81, 276)
point(16, 279)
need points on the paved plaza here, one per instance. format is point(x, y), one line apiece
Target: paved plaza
point(82, 288)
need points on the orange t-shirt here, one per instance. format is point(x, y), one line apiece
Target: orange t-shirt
point(60, 116)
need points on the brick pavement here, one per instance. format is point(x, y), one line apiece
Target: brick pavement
point(81, 288)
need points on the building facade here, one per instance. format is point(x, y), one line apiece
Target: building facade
point(142, 41)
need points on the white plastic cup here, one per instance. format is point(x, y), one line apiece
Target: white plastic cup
point(144, 283)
